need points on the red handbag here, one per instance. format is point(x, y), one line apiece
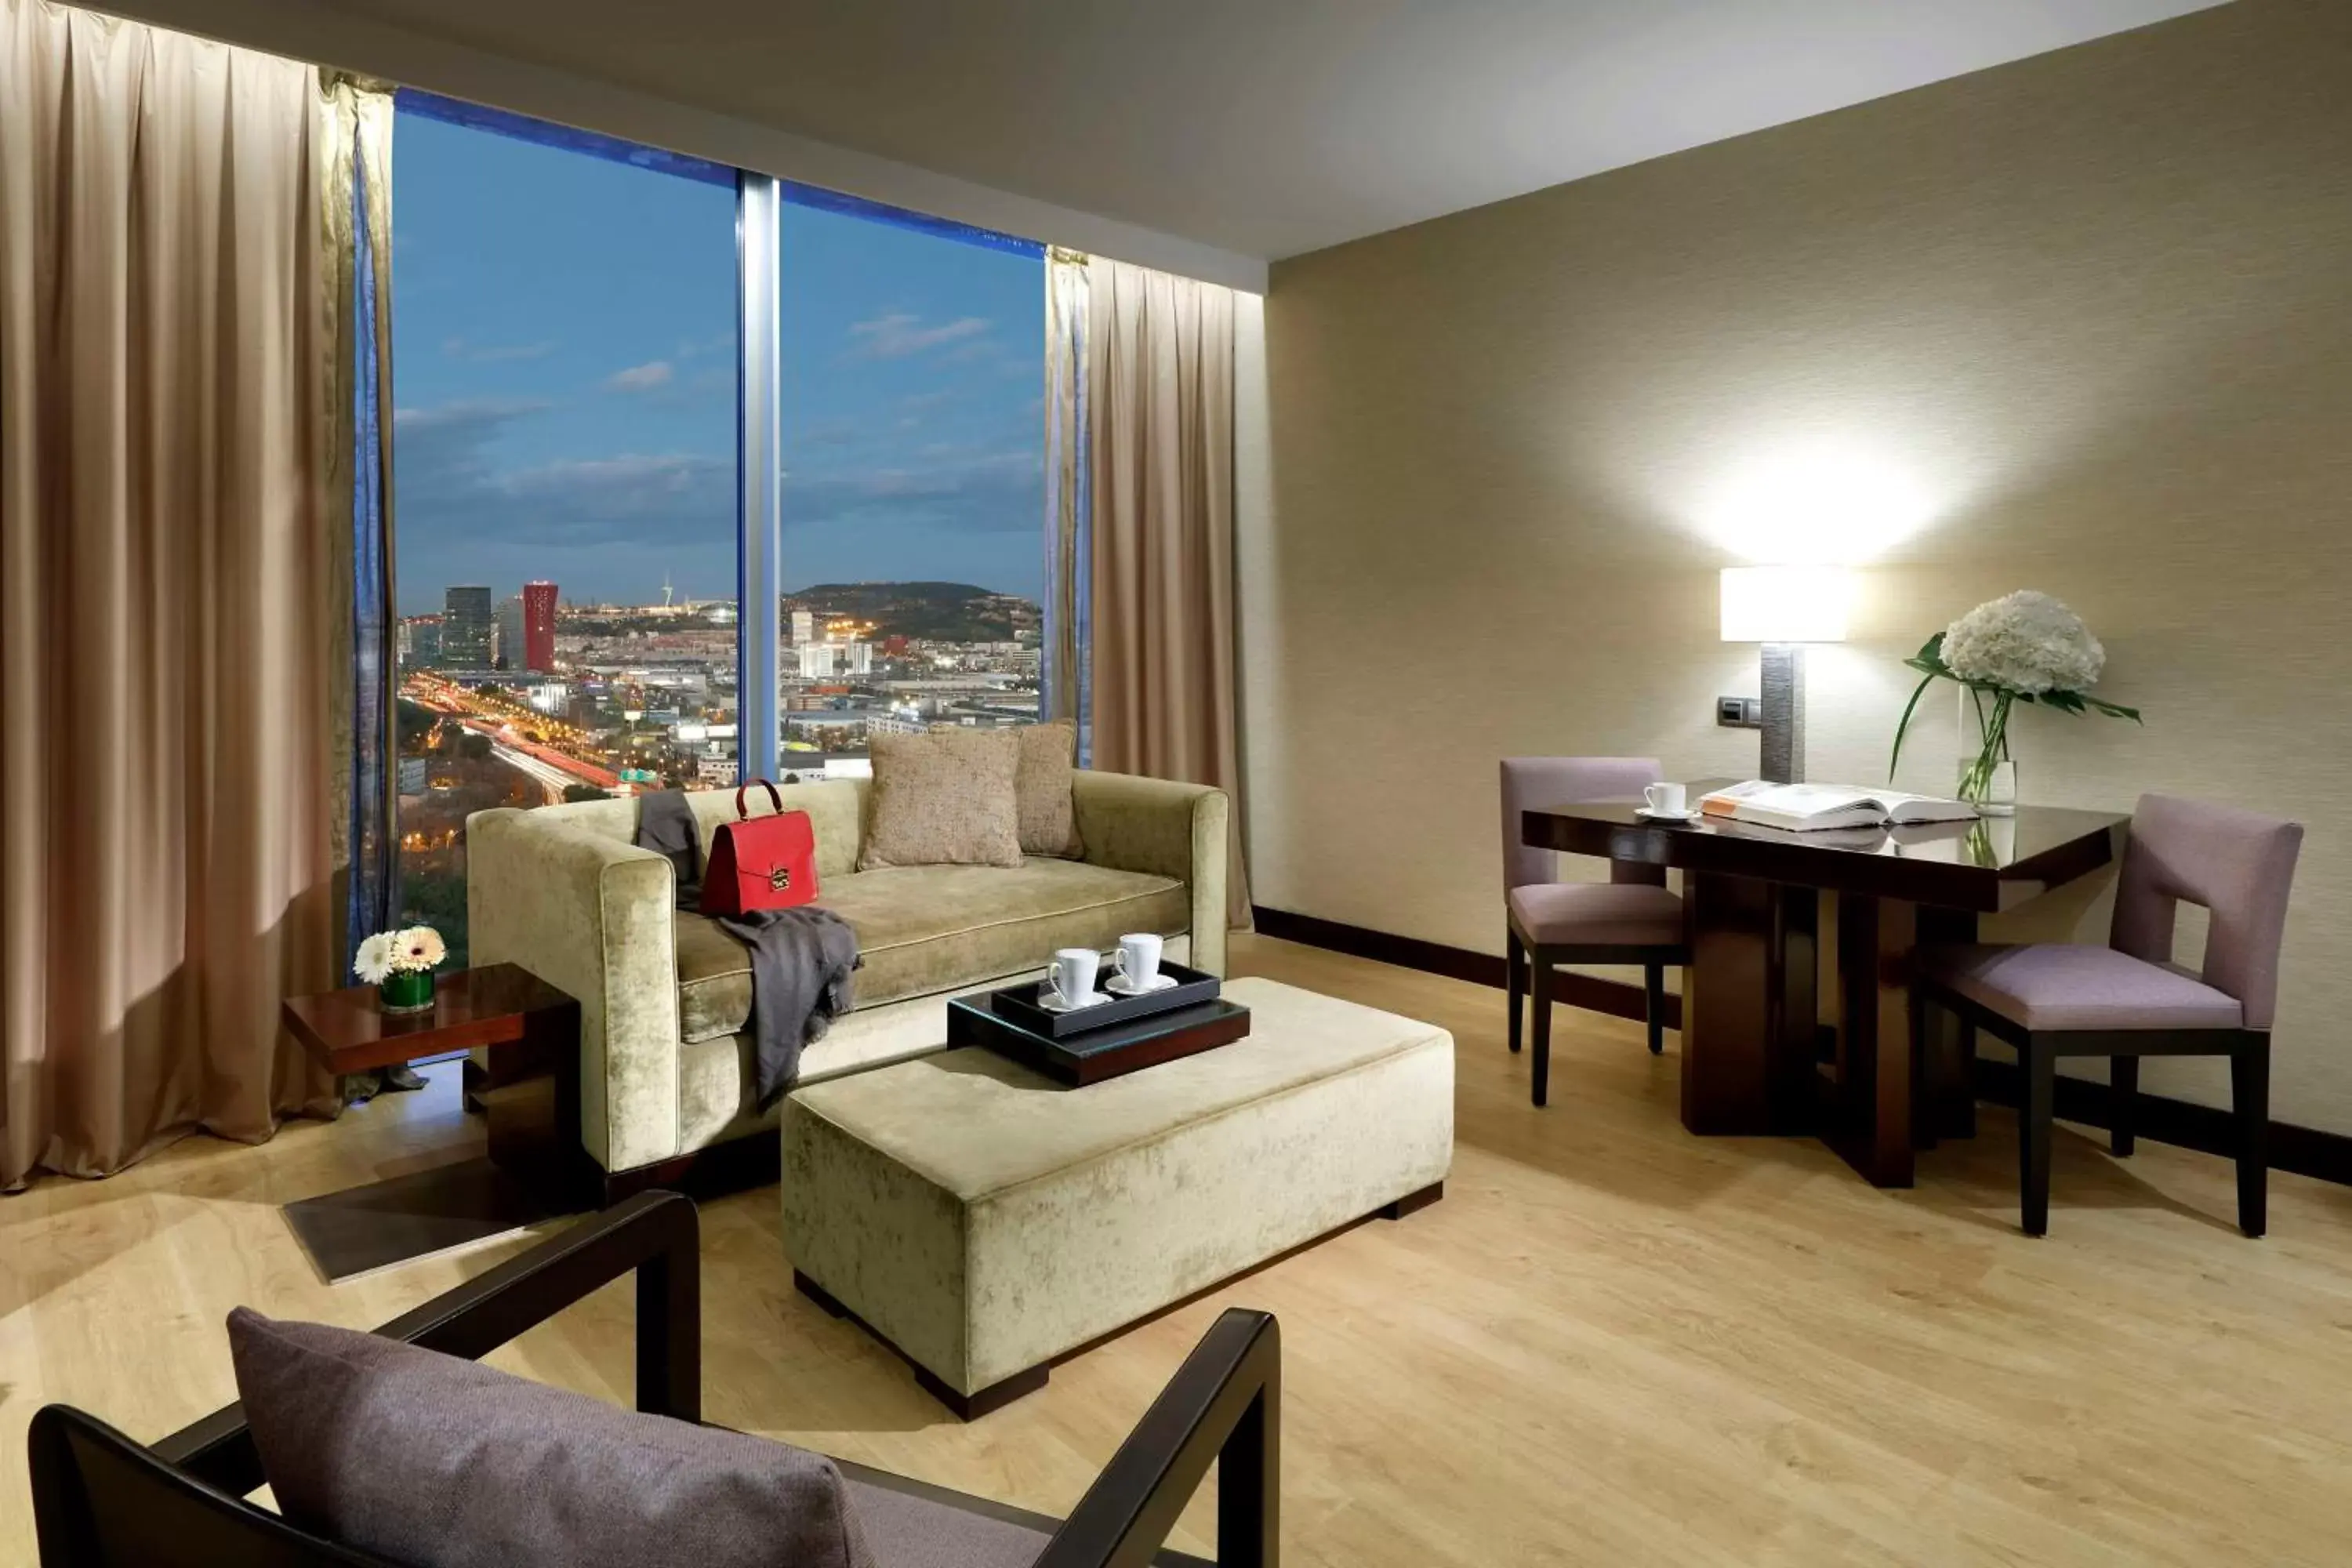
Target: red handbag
point(760, 862)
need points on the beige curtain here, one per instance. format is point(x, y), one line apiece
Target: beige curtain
point(173, 549)
point(1159, 395)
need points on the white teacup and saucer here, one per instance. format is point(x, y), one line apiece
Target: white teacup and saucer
point(1135, 968)
point(1666, 803)
point(1072, 985)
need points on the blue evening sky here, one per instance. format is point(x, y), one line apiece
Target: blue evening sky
point(564, 365)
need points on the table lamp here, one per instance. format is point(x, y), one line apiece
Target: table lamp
point(1784, 607)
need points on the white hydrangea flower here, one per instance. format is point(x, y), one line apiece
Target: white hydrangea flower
point(374, 963)
point(2026, 642)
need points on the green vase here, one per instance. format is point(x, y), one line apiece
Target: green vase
point(407, 991)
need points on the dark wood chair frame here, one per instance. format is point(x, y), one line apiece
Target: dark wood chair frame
point(1520, 951)
point(101, 1500)
point(2038, 1051)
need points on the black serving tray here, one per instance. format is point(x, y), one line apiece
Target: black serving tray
point(1112, 1051)
point(1018, 1004)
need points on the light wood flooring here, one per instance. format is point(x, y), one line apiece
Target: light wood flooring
point(1613, 1343)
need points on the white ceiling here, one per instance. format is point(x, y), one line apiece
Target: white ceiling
point(1260, 128)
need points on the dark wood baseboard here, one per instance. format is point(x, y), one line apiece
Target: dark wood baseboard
point(2209, 1130)
point(2302, 1151)
point(1615, 998)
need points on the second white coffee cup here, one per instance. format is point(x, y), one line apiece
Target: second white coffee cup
point(1667, 799)
point(1138, 960)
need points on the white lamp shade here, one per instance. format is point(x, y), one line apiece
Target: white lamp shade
point(1785, 604)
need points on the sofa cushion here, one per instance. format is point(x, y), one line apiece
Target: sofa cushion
point(927, 929)
point(943, 798)
point(1042, 792)
point(432, 1461)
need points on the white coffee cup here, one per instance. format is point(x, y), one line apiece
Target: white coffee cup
point(1074, 974)
point(1667, 799)
point(1138, 960)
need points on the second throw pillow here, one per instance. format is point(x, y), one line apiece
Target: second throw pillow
point(943, 798)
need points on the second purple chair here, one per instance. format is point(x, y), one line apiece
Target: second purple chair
point(2128, 999)
point(1630, 919)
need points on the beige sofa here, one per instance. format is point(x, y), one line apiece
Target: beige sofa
point(664, 995)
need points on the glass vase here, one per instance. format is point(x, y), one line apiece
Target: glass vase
point(407, 991)
point(1991, 790)
point(1988, 772)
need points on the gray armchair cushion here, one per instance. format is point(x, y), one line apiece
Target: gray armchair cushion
point(911, 1532)
point(2053, 986)
point(435, 1461)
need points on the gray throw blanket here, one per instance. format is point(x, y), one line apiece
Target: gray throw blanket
point(801, 958)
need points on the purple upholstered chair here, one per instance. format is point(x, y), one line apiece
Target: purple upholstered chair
point(1630, 919)
point(2128, 999)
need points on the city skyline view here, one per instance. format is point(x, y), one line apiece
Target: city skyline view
point(564, 386)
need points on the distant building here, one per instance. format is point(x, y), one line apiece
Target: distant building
point(419, 640)
point(804, 627)
point(818, 660)
point(538, 626)
point(506, 636)
point(466, 629)
point(857, 658)
point(894, 646)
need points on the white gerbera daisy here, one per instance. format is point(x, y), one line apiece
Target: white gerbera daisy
point(374, 963)
point(419, 947)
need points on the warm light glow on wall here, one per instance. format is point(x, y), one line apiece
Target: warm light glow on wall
point(1821, 503)
point(1786, 604)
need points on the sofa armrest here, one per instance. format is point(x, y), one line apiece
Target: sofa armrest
point(594, 917)
point(1169, 829)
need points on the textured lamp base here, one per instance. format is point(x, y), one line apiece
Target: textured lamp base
point(1781, 748)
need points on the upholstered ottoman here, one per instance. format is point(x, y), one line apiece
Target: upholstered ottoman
point(984, 1221)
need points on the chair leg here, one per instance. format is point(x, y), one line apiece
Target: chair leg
point(1542, 989)
point(1515, 981)
point(2033, 1118)
point(2123, 1104)
point(2250, 1098)
point(1653, 1005)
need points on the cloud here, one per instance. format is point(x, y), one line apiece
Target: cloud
point(897, 335)
point(983, 492)
point(454, 495)
point(495, 353)
point(646, 377)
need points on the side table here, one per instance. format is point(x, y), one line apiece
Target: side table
point(531, 1169)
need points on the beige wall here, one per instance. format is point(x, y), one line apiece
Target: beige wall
point(2086, 319)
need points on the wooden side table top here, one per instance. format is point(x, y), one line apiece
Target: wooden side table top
point(349, 1031)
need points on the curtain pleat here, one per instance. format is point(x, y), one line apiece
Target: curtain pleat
point(172, 548)
point(1160, 391)
point(1067, 499)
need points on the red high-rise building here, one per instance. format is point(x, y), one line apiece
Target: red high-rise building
point(538, 626)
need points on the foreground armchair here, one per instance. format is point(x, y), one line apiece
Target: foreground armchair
point(101, 1500)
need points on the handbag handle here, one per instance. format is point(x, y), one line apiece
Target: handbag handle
point(741, 814)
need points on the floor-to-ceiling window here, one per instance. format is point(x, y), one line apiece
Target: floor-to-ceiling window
point(913, 458)
point(564, 479)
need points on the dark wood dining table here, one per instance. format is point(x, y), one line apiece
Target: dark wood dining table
point(1755, 1057)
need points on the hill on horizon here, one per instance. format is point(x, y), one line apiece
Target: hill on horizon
point(940, 612)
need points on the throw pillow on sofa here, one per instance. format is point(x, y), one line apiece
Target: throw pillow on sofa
point(1040, 787)
point(946, 798)
point(427, 1460)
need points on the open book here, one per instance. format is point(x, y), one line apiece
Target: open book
point(1805, 807)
